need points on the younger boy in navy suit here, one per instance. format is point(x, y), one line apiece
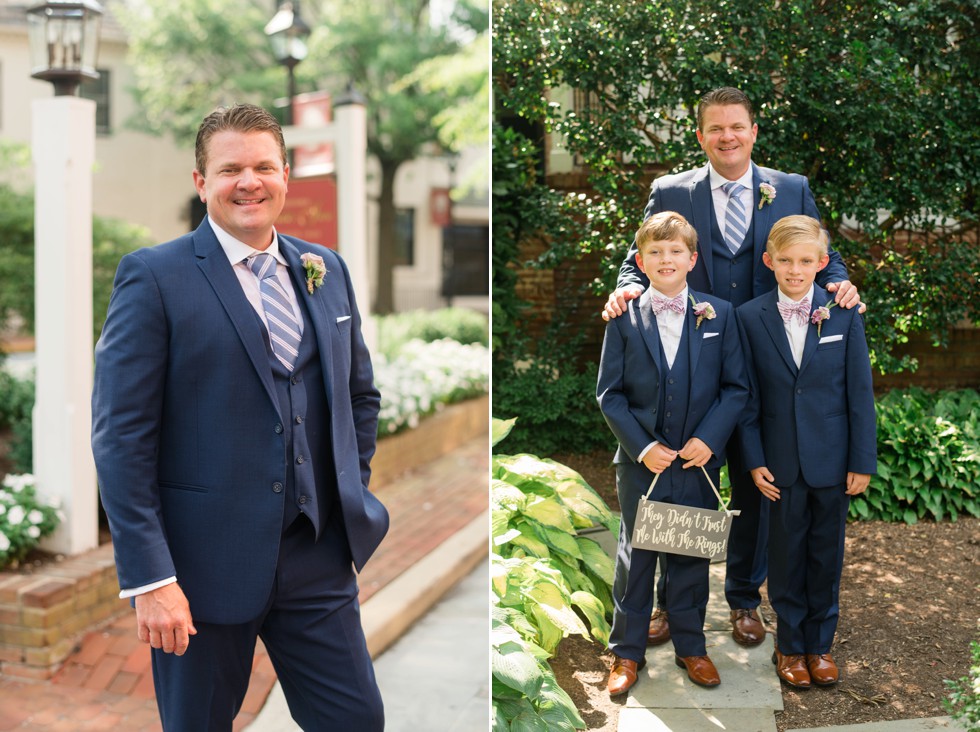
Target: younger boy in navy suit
point(671, 385)
point(809, 439)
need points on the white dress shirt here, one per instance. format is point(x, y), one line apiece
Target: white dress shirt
point(671, 327)
point(720, 199)
point(237, 252)
point(796, 332)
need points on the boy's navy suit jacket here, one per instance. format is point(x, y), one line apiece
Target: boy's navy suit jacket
point(817, 420)
point(187, 432)
point(629, 382)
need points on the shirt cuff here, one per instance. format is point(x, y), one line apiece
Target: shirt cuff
point(645, 451)
point(125, 594)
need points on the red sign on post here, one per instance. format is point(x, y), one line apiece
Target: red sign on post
point(312, 110)
point(310, 212)
point(439, 207)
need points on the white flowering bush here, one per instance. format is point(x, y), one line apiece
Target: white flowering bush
point(424, 377)
point(25, 518)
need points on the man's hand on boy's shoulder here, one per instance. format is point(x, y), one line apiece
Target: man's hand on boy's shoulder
point(845, 294)
point(616, 304)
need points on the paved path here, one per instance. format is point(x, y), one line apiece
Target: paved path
point(434, 678)
point(439, 531)
point(665, 700)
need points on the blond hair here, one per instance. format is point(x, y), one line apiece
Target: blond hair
point(797, 230)
point(667, 226)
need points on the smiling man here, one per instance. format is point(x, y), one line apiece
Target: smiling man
point(732, 203)
point(234, 421)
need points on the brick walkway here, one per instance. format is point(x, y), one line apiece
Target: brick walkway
point(107, 683)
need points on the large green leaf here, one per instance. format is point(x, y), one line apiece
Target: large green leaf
point(528, 722)
point(594, 612)
point(549, 512)
point(596, 558)
point(517, 668)
point(499, 429)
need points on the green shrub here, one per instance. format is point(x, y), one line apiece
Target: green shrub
point(963, 703)
point(25, 518)
point(459, 324)
point(928, 457)
point(546, 579)
point(16, 404)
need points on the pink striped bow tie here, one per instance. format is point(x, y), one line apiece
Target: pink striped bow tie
point(800, 309)
point(675, 303)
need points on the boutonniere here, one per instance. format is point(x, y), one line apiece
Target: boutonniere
point(315, 269)
point(821, 314)
point(767, 194)
point(703, 310)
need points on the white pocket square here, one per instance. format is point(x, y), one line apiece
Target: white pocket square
point(831, 339)
point(342, 318)
point(710, 335)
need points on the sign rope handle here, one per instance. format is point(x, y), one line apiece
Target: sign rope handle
point(710, 482)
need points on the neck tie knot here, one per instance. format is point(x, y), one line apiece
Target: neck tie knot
point(661, 304)
point(799, 309)
point(262, 265)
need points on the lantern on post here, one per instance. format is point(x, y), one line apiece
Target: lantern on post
point(64, 42)
point(287, 33)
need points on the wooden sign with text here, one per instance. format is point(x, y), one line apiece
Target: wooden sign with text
point(676, 529)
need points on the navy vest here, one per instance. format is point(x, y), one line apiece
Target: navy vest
point(732, 273)
point(310, 483)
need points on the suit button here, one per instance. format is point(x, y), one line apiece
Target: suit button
point(799, 391)
point(299, 420)
point(734, 285)
point(666, 430)
point(300, 460)
point(294, 380)
point(670, 398)
point(667, 414)
point(277, 487)
point(670, 381)
point(278, 428)
point(302, 499)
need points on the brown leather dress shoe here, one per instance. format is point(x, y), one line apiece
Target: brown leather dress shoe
point(659, 632)
point(792, 669)
point(823, 670)
point(747, 628)
point(623, 675)
point(700, 670)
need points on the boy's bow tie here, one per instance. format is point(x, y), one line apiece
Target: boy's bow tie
point(660, 304)
point(800, 309)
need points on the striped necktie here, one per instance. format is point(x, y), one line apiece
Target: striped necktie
point(284, 331)
point(735, 222)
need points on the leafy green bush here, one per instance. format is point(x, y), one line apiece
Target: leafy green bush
point(459, 324)
point(928, 457)
point(16, 404)
point(964, 698)
point(542, 572)
point(25, 518)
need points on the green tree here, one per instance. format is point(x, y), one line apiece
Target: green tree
point(189, 56)
point(877, 102)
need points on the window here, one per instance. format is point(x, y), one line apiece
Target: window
point(405, 236)
point(98, 91)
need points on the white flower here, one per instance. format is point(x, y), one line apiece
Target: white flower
point(34, 532)
point(4, 542)
point(17, 483)
point(3, 509)
point(15, 515)
point(35, 516)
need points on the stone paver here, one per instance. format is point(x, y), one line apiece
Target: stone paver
point(637, 719)
point(903, 725)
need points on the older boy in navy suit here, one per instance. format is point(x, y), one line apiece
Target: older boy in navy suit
point(809, 439)
point(671, 385)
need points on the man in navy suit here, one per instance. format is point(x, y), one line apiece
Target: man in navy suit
point(671, 385)
point(234, 421)
point(732, 203)
point(808, 435)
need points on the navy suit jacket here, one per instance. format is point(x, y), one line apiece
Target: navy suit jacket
point(187, 435)
point(628, 389)
point(817, 420)
point(689, 194)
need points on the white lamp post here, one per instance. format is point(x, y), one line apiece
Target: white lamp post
point(64, 45)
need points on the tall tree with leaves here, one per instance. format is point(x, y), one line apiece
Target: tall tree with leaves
point(191, 55)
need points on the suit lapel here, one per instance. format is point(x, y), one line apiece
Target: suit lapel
point(694, 338)
point(648, 327)
point(218, 270)
point(761, 215)
point(773, 323)
point(820, 298)
point(316, 308)
point(701, 208)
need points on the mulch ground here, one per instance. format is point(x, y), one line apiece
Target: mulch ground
point(909, 609)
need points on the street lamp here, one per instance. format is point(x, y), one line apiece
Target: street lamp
point(64, 42)
point(287, 33)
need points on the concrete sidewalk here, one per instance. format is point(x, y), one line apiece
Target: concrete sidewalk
point(665, 700)
point(435, 677)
